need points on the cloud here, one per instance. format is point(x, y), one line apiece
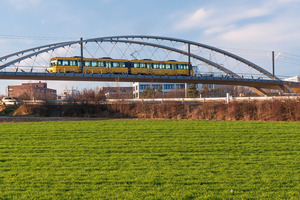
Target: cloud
point(267, 22)
point(288, 1)
point(223, 17)
point(23, 4)
point(194, 20)
point(218, 29)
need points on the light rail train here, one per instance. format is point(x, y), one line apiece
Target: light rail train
point(108, 65)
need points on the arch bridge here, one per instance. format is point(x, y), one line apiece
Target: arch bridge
point(211, 65)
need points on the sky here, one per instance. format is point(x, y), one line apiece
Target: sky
point(249, 28)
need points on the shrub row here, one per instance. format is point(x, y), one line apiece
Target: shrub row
point(276, 110)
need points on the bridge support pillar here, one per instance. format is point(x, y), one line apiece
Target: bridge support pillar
point(259, 91)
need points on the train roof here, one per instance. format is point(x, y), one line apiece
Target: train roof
point(119, 60)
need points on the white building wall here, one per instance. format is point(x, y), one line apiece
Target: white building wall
point(139, 87)
point(293, 79)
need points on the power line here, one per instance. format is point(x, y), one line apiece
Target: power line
point(22, 37)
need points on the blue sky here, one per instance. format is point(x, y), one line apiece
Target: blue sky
point(250, 28)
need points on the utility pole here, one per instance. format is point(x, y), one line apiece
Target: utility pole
point(189, 55)
point(81, 55)
point(273, 62)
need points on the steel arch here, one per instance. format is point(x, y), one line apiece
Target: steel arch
point(134, 42)
point(42, 49)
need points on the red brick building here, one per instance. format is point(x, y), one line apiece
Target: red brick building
point(29, 91)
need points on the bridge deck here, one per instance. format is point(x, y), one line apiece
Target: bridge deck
point(261, 83)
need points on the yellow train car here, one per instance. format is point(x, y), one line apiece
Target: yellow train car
point(183, 68)
point(64, 65)
point(90, 65)
point(108, 65)
point(149, 67)
point(140, 67)
point(105, 66)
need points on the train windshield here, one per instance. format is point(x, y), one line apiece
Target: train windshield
point(53, 62)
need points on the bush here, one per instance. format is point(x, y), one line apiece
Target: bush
point(277, 110)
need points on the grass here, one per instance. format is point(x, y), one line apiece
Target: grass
point(150, 159)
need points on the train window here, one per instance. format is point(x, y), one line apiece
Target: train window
point(87, 63)
point(142, 65)
point(181, 66)
point(79, 63)
point(73, 63)
point(101, 64)
point(115, 64)
point(155, 66)
point(136, 65)
point(53, 62)
point(65, 62)
point(108, 64)
point(122, 64)
point(186, 67)
point(59, 62)
point(162, 66)
point(94, 63)
point(148, 65)
point(168, 66)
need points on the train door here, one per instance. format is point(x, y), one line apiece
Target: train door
point(108, 66)
point(149, 68)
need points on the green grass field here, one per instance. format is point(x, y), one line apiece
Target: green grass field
point(150, 159)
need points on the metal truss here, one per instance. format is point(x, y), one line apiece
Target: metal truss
point(19, 56)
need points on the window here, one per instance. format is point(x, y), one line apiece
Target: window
point(136, 65)
point(65, 62)
point(53, 62)
point(142, 87)
point(162, 66)
point(87, 63)
point(108, 64)
point(168, 86)
point(168, 66)
point(122, 64)
point(73, 63)
point(94, 63)
point(158, 66)
point(115, 64)
point(180, 86)
point(155, 86)
point(101, 64)
point(142, 65)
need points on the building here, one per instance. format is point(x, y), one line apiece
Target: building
point(67, 94)
point(30, 91)
point(293, 79)
point(169, 90)
point(117, 92)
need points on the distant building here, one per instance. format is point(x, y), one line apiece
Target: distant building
point(67, 94)
point(293, 79)
point(117, 92)
point(29, 91)
point(169, 90)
